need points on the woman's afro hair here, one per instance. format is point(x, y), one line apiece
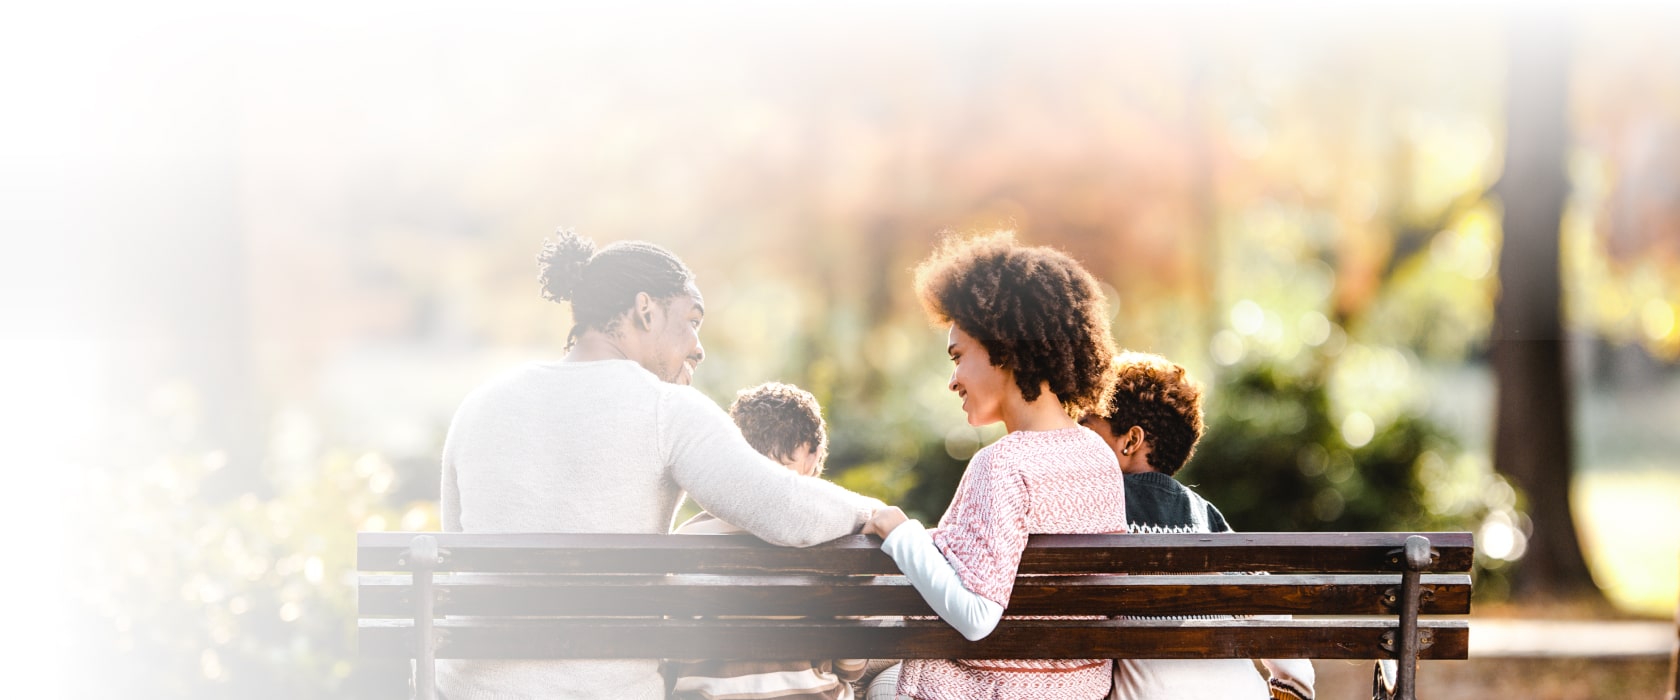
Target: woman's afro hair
point(1037, 312)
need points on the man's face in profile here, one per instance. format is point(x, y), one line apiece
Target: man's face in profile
point(677, 337)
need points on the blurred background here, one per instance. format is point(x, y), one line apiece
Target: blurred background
point(256, 255)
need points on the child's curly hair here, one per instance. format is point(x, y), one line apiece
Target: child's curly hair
point(1155, 394)
point(1037, 312)
point(776, 419)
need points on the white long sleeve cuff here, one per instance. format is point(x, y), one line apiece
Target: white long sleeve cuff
point(1293, 675)
point(913, 550)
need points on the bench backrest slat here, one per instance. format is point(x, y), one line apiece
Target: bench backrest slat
point(590, 596)
point(538, 594)
point(859, 555)
point(799, 639)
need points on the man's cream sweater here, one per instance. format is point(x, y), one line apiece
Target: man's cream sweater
point(607, 447)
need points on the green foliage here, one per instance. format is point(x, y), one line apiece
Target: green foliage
point(1274, 459)
point(902, 461)
point(181, 595)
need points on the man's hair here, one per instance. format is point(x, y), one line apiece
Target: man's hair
point(1155, 394)
point(602, 285)
point(1035, 310)
point(776, 419)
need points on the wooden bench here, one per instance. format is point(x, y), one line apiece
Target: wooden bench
point(427, 596)
point(1674, 661)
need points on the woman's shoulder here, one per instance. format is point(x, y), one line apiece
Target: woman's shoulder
point(1041, 446)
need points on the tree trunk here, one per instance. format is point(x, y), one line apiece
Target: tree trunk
point(1533, 441)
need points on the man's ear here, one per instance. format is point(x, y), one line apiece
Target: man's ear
point(643, 311)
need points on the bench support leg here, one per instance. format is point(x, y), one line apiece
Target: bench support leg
point(423, 560)
point(1411, 591)
point(1674, 663)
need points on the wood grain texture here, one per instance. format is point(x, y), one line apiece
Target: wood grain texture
point(806, 639)
point(670, 596)
point(858, 554)
point(1209, 594)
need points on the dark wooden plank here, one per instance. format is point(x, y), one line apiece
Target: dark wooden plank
point(1329, 552)
point(801, 639)
point(1209, 594)
point(627, 554)
point(1056, 554)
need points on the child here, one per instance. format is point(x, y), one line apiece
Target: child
point(1153, 423)
point(785, 424)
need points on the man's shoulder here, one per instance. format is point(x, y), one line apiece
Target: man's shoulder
point(681, 402)
point(617, 375)
point(490, 390)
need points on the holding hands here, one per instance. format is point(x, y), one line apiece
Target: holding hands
point(884, 521)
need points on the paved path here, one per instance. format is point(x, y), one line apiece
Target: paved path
point(1507, 638)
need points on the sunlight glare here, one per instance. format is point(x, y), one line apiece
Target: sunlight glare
point(1657, 319)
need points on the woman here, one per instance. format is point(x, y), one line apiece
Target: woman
point(1029, 338)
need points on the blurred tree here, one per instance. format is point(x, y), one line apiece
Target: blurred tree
point(174, 256)
point(1533, 441)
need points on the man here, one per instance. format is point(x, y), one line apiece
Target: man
point(607, 439)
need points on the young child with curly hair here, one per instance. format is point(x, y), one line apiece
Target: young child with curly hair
point(1030, 343)
point(1153, 423)
point(781, 421)
point(784, 423)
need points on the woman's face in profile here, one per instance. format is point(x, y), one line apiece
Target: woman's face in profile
point(981, 385)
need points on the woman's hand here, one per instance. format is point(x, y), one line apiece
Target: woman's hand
point(884, 521)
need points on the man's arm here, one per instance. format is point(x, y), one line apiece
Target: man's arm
point(729, 479)
point(449, 491)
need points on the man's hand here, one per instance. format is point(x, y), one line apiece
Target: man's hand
point(884, 521)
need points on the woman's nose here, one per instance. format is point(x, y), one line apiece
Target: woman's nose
point(952, 385)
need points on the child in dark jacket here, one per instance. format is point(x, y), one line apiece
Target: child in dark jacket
point(1153, 424)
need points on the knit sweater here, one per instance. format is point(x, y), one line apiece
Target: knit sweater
point(607, 447)
point(1155, 503)
point(1056, 481)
